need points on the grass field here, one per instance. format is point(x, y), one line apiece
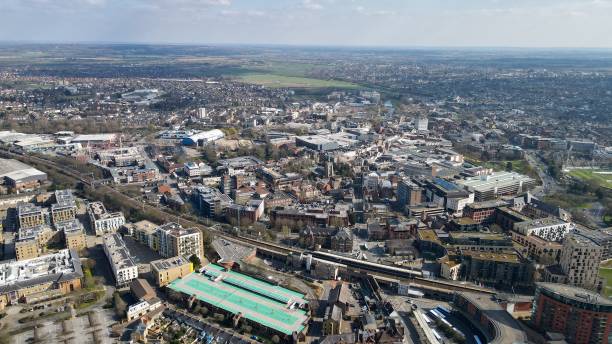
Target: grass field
point(603, 179)
point(607, 274)
point(273, 80)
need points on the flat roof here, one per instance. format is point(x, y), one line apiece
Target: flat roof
point(230, 251)
point(495, 180)
point(234, 299)
point(164, 264)
point(507, 329)
point(498, 257)
point(576, 293)
point(64, 265)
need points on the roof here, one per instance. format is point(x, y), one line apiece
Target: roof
point(94, 137)
point(64, 265)
point(576, 294)
point(507, 257)
point(238, 298)
point(494, 180)
point(507, 329)
point(16, 170)
point(142, 290)
point(164, 264)
point(230, 251)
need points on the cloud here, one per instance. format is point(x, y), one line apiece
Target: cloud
point(312, 5)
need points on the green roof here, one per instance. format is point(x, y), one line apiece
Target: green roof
point(238, 293)
point(257, 286)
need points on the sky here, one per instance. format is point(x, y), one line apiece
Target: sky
point(388, 23)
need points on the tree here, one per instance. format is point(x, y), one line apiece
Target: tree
point(119, 304)
point(509, 166)
point(195, 260)
point(275, 339)
point(204, 311)
point(209, 154)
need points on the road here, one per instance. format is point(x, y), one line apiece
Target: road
point(549, 184)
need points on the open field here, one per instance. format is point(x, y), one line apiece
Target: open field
point(273, 80)
point(601, 177)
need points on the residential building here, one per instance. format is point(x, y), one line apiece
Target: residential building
point(580, 259)
point(122, 265)
point(74, 234)
point(65, 208)
point(40, 278)
point(174, 240)
point(145, 233)
point(30, 215)
point(580, 315)
point(549, 228)
point(165, 271)
point(498, 269)
point(103, 221)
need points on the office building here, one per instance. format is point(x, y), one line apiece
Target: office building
point(421, 123)
point(211, 202)
point(408, 194)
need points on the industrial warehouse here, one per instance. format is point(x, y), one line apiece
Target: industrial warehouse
point(278, 309)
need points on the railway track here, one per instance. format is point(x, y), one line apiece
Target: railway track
point(369, 267)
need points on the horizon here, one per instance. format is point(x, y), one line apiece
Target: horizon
point(571, 24)
point(288, 45)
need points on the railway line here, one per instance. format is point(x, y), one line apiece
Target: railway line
point(385, 271)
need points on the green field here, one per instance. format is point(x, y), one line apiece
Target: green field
point(607, 274)
point(274, 80)
point(597, 176)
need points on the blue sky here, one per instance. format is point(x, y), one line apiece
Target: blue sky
point(473, 23)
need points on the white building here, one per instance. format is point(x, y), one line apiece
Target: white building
point(123, 266)
point(194, 169)
point(102, 221)
point(202, 138)
point(422, 123)
point(549, 229)
point(143, 307)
